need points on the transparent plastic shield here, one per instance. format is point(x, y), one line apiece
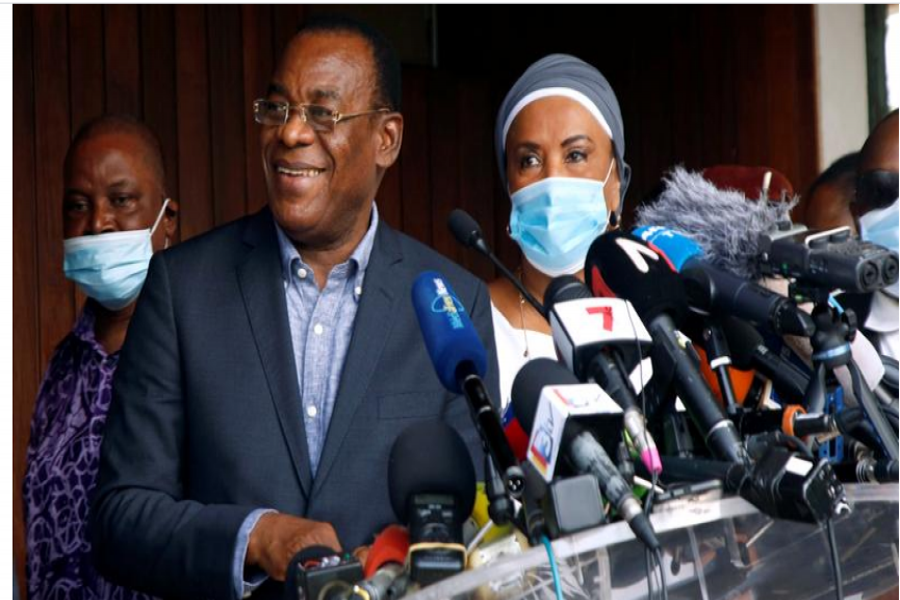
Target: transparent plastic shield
point(714, 549)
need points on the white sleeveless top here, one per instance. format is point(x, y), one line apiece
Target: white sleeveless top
point(511, 354)
point(511, 351)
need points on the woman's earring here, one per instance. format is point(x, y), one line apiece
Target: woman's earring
point(166, 247)
point(508, 232)
point(613, 221)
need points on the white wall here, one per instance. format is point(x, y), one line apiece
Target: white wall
point(843, 87)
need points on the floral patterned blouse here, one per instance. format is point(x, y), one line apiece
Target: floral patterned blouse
point(63, 456)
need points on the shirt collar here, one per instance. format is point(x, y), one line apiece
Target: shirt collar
point(359, 258)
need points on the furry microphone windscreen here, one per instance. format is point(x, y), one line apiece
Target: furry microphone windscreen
point(725, 223)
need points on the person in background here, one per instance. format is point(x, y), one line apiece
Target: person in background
point(876, 212)
point(560, 148)
point(829, 199)
point(116, 214)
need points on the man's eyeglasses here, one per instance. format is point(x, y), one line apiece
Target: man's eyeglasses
point(320, 118)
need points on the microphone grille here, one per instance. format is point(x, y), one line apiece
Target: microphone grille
point(464, 228)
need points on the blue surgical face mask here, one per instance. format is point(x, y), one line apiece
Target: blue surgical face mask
point(556, 219)
point(111, 267)
point(881, 227)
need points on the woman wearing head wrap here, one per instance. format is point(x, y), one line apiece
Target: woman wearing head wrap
point(560, 148)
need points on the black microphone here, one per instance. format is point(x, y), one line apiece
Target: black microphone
point(578, 445)
point(431, 480)
point(622, 265)
point(601, 340)
point(712, 290)
point(468, 233)
point(782, 484)
point(749, 352)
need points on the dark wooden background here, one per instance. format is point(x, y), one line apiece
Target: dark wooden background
point(698, 86)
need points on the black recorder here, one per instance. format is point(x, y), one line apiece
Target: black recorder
point(826, 260)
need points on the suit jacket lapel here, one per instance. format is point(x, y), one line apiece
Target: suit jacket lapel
point(374, 319)
point(262, 286)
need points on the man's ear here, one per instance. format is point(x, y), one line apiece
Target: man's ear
point(390, 138)
point(170, 220)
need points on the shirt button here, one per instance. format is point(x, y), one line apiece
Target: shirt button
point(358, 291)
point(311, 411)
point(318, 329)
point(302, 273)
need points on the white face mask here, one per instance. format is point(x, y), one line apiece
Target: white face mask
point(111, 267)
point(881, 227)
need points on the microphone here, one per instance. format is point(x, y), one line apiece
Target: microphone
point(622, 265)
point(793, 420)
point(749, 352)
point(712, 290)
point(384, 564)
point(460, 361)
point(782, 484)
point(431, 481)
point(601, 340)
point(547, 396)
point(468, 233)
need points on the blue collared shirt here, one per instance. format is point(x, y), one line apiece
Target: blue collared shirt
point(321, 323)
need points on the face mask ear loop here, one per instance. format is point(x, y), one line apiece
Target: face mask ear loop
point(609, 171)
point(162, 213)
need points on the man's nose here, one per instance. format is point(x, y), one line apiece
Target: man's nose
point(102, 219)
point(297, 131)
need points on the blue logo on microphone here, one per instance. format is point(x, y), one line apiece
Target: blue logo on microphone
point(445, 303)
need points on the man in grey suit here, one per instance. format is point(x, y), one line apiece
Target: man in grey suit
point(272, 362)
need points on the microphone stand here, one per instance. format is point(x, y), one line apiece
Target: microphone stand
point(831, 349)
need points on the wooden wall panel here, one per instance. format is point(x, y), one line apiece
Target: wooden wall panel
point(158, 84)
point(699, 85)
point(51, 138)
point(123, 62)
point(414, 163)
point(27, 366)
point(256, 29)
point(192, 101)
point(226, 112)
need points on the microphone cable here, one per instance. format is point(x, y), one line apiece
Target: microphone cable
point(554, 569)
point(654, 481)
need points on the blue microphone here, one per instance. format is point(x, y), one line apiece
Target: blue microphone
point(712, 290)
point(451, 339)
point(460, 361)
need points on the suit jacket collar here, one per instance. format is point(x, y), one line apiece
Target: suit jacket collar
point(374, 320)
point(262, 288)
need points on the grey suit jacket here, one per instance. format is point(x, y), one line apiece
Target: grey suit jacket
point(205, 423)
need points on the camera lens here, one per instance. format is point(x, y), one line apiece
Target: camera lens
point(870, 277)
point(889, 270)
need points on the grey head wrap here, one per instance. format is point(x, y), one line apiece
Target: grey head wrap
point(564, 75)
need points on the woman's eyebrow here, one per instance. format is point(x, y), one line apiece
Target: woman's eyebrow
point(576, 138)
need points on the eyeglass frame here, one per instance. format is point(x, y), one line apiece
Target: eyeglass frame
point(337, 116)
